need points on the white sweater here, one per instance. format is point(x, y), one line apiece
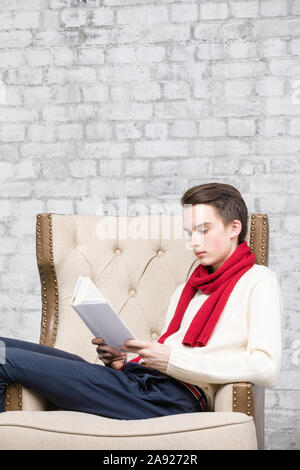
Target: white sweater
point(246, 343)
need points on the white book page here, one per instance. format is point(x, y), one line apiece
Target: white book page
point(84, 290)
point(76, 289)
point(91, 292)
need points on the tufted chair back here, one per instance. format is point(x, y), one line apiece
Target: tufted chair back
point(137, 275)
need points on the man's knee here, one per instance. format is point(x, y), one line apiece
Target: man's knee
point(5, 345)
point(11, 363)
point(7, 341)
point(11, 356)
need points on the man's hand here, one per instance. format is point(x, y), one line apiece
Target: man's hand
point(109, 355)
point(155, 355)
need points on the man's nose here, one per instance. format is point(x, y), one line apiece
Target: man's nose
point(196, 240)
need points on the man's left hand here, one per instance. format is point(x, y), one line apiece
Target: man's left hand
point(155, 355)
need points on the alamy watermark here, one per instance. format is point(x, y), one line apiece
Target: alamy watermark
point(138, 221)
point(2, 352)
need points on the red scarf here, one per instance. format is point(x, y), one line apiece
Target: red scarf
point(218, 285)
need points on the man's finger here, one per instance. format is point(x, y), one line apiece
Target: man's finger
point(109, 349)
point(134, 343)
point(97, 340)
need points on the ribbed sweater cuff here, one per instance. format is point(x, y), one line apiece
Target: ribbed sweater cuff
point(177, 365)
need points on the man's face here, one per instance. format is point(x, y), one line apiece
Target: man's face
point(208, 234)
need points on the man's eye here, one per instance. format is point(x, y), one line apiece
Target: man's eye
point(201, 231)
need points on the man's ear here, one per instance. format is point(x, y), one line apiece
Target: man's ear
point(236, 227)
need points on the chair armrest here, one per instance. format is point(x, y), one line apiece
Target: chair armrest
point(245, 398)
point(20, 398)
point(31, 401)
point(223, 398)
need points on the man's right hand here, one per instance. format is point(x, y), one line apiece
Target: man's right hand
point(109, 355)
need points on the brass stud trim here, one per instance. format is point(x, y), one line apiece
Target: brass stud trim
point(258, 237)
point(50, 299)
point(242, 398)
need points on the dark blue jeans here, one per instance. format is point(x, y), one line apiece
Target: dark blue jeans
point(70, 382)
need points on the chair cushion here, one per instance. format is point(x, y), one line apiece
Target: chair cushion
point(60, 429)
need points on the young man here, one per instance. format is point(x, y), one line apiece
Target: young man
point(234, 305)
point(222, 325)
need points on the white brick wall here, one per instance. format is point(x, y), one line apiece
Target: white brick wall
point(245, 9)
point(144, 99)
point(213, 11)
point(273, 8)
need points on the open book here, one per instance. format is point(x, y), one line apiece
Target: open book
point(98, 314)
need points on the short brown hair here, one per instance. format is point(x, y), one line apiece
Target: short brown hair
point(226, 199)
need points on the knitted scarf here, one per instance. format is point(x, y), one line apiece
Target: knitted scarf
point(218, 285)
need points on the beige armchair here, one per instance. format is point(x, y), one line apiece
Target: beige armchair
point(128, 271)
